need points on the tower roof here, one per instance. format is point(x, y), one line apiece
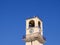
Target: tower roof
point(34, 17)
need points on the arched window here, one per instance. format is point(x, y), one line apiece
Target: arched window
point(31, 23)
point(38, 23)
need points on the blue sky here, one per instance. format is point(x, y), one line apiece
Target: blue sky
point(13, 14)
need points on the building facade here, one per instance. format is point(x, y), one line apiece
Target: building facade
point(34, 31)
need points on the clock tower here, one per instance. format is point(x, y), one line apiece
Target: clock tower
point(34, 31)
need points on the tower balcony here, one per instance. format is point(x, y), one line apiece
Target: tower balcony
point(34, 36)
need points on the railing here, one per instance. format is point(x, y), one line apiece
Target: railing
point(35, 36)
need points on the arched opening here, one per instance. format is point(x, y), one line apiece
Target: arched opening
point(31, 23)
point(39, 24)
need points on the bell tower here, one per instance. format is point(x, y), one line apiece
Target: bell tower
point(34, 31)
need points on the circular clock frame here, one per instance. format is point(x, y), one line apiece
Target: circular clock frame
point(31, 31)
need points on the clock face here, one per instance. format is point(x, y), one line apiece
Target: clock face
point(31, 31)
